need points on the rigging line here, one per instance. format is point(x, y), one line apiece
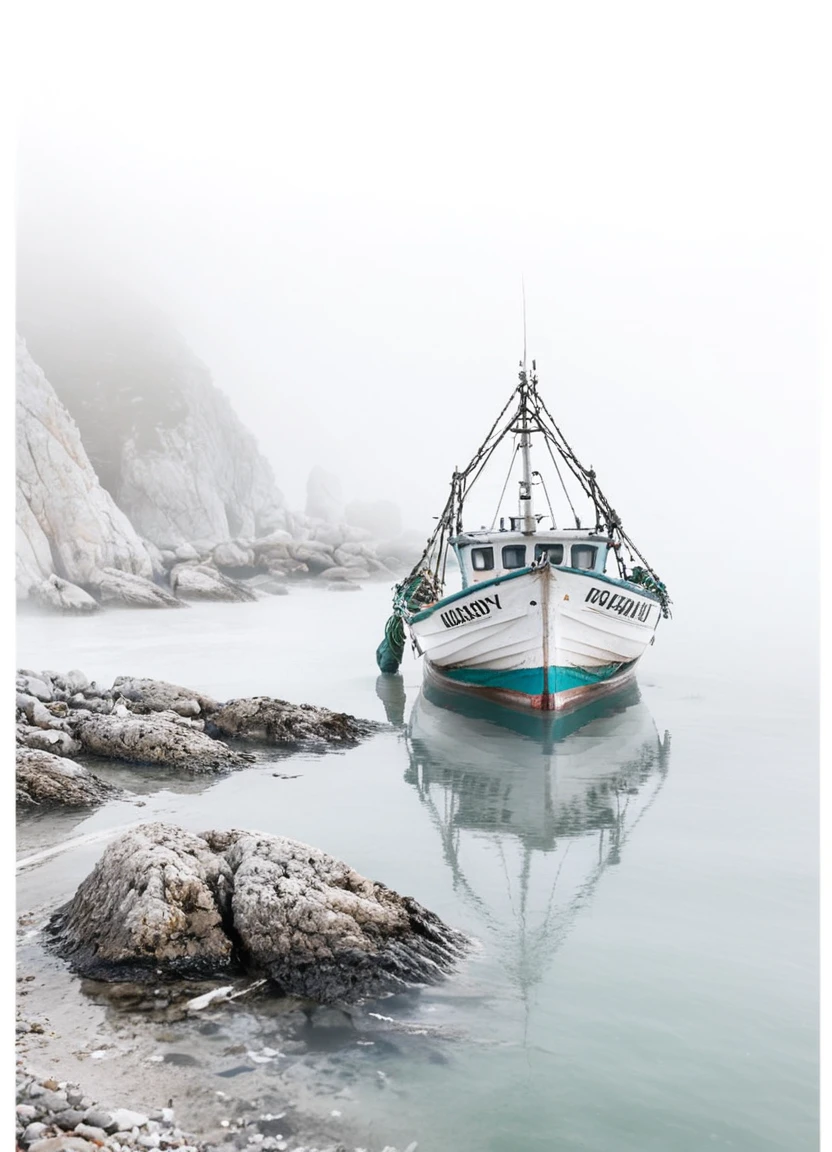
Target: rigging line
point(548, 501)
point(502, 494)
point(562, 484)
point(523, 286)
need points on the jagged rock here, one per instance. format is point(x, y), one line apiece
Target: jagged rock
point(67, 523)
point(57, 595)
point(320, 929)
point(203, 582)
point(72, 681)
point(160, 696)
point(42, 778)
point(156, 559)
point(155, 899)
point(48, 740)
point(164, 439)
point(187, 553)
point(163, 898)
point(154, 739)
point(278, 722)
point(116, 587)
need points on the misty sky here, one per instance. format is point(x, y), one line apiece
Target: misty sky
point(336, 204)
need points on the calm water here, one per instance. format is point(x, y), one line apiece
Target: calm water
point(643, 888)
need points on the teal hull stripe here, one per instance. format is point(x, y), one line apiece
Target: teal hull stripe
point(529, 681)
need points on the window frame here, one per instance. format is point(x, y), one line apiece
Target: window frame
point(482, 548)
point(515, 548)
point(593, 548)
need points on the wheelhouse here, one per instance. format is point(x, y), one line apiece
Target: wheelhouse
point(485, 555)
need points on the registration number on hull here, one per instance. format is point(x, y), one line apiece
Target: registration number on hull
point(627, 607)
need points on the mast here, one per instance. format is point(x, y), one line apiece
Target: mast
point(528, 523)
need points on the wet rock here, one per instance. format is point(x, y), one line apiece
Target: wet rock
point(115, 587)
point(204, 582)
point(321, 930)
point(163, 898)
point(279, 722)
point(154, 900)
point(160, 696)
point(153, 739)
point(57, 595)
point(45, 779)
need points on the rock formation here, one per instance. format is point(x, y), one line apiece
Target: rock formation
point(152, 722)
point(163, 898)
point(45, 779)
point(67, 524)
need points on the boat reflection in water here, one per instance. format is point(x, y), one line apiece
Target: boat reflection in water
point(532, 808)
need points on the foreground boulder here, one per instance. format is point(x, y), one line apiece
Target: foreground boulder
point(161, 898)
point(114, 587)
point(156, 739)
point(279, 722)
point(45, 779)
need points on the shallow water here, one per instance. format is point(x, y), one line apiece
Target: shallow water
point(642, 888)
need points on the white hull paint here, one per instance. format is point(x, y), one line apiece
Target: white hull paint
point(547, 638)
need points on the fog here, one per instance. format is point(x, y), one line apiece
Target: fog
point(337, 206)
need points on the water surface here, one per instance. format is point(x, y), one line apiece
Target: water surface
point(642, 888)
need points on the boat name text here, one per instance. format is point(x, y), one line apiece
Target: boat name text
point(623, 605)
point(472, 611)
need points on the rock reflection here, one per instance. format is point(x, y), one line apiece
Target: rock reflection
point(531, 809)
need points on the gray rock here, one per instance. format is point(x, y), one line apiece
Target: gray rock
point(91, 1132)
point(68, 1119)
point(126, 1119)
point(163, 898)
point(114, 587)
point(33, 1132)
point(53, 740)
point(204, 582)
point(232, 555)
point(279, 722)
point(57, 595)
point(62, 1144)
point(53, 1101)
point(154, 900)
point(26, 1112)
point(98, 1118)
point(153, 739)
point(45, 779)
point(40, 716)
point(38, 688)
point(160, 696)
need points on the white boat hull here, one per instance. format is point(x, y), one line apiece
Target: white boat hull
point(545, 638)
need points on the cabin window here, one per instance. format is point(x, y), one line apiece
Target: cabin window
point(554, 552)
point(482, 559)
point(514, 555)
point(583, 555)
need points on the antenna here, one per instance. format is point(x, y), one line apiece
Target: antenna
point(523, 287)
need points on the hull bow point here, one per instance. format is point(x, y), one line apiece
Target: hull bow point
point(546, 618)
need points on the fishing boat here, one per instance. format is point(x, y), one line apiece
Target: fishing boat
point(546, 616)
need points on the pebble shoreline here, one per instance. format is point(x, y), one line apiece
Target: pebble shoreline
point(57, 1116)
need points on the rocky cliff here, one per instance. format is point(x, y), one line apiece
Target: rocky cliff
point(67, 524)
point(163, 440)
